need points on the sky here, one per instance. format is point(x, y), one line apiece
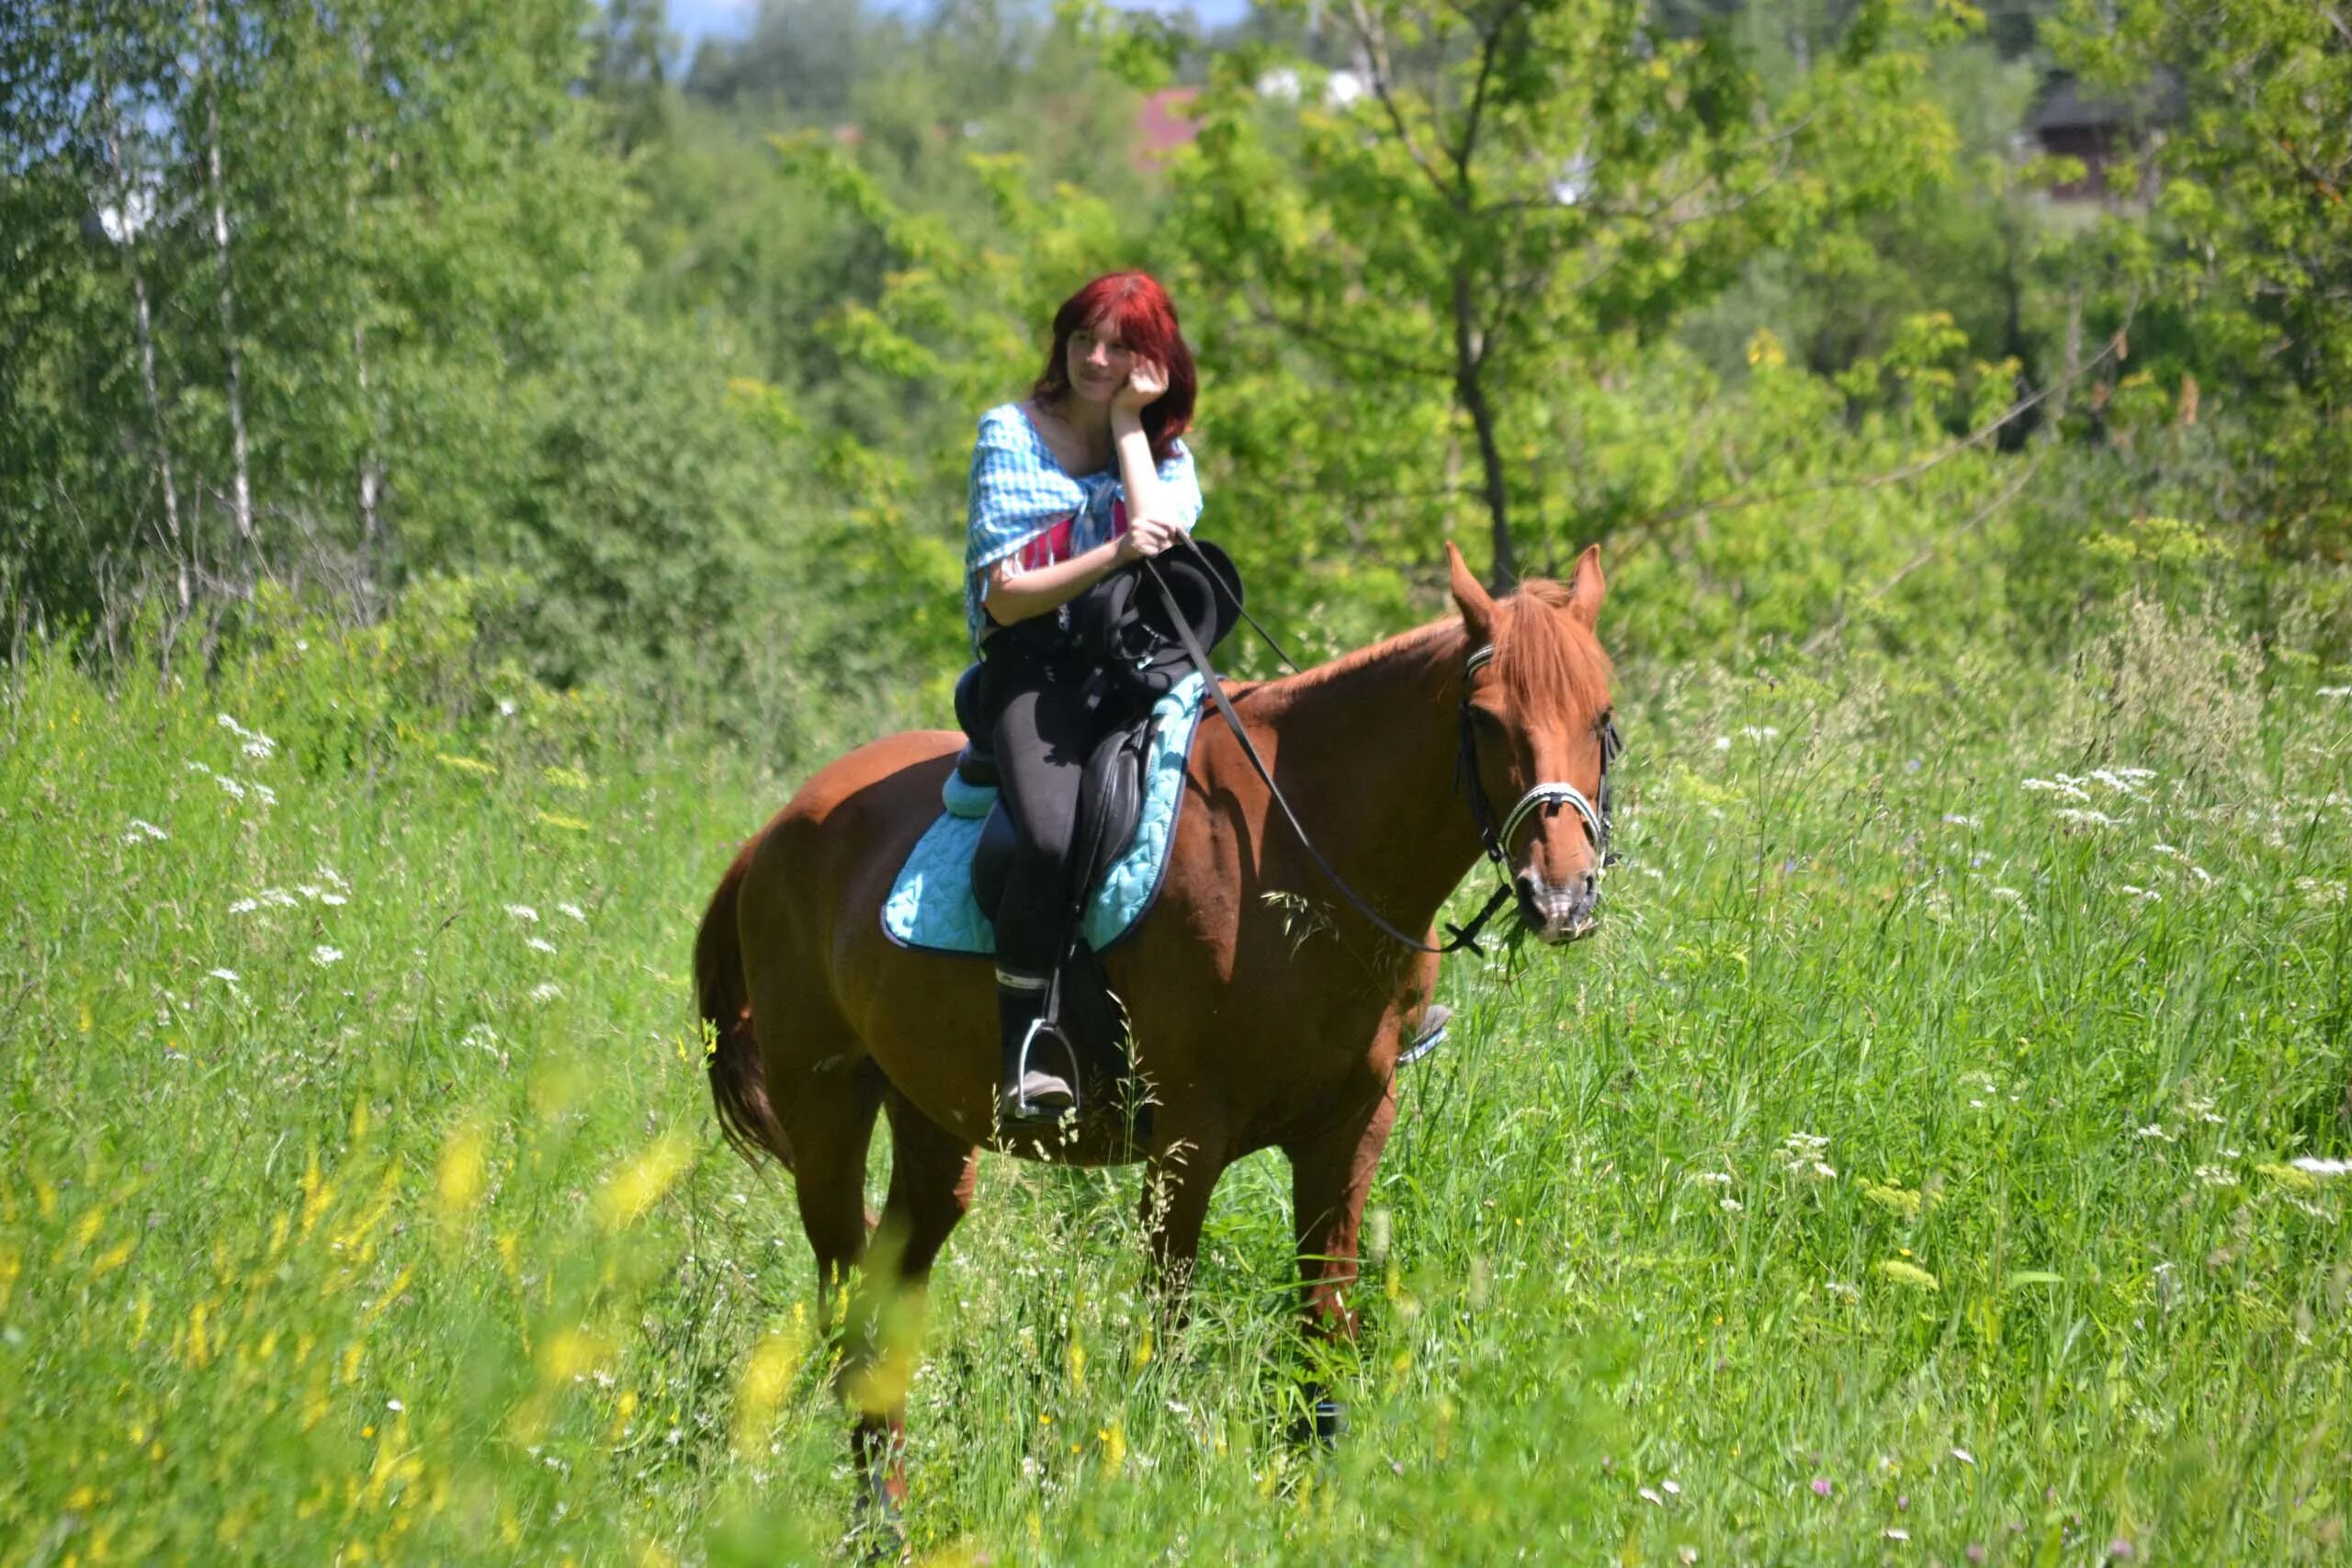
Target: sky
point(694, 20)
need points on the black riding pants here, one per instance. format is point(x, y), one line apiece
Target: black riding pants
point(1041, 728)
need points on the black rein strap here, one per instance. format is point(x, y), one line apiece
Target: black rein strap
point(1463, 936)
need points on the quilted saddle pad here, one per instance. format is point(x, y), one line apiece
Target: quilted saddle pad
point(931, 904)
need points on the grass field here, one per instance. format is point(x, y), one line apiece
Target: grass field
point(1907, 1173)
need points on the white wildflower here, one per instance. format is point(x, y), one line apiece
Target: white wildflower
point(1760, 732)
point(1963, 1456)
point(2323, 1168)
point(2153, 1130)
point(394, 1405)
point(235, 790)
point(1729, 1205)
point(546, 991)
point(541, 944)
point(1800, 1156)
point(2335, 690)
point(1722, 742)
point(2008, 894)
point(1713, 1178)
point(1897, 1534)
point(323, 955)
point(309, 890)
point(2216, 1176)
point(265, 795)
point(227, 976)
point(1840, 1288)
point(482, 1037)
point(2060, 786)
point(2150, 893)
point(244, 906)
point(257, 745)
point(1647, 1496)
point(280, 897)
point(143, 831)
point(2086, 817)
point(333, 898)
point(1673, 1487)
point(523, 912)
point(572, 911)
point(1957, 819)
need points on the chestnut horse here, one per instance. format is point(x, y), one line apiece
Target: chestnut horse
point(1252, 1028)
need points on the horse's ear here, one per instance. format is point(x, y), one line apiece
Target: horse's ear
point(1470, 596)
point(1586, 586)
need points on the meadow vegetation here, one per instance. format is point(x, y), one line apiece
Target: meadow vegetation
point(1910, 1168)
point(460, 467)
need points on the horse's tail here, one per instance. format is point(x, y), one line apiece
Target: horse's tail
point(737, 1087)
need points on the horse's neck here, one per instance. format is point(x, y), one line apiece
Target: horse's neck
point(1367, 749)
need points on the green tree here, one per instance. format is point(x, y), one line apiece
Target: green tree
point(1503, 196)
point(2251, 239)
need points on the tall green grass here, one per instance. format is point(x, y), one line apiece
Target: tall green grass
point(1906, 1172)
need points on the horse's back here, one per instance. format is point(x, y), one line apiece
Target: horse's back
point(834, 848)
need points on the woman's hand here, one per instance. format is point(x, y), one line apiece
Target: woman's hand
point(1147, 382)
point(1146, 536)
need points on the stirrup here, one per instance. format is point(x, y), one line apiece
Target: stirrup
point(1430, 1036)
point(1018, 1104)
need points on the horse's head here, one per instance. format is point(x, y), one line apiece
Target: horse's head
point(1538, 739)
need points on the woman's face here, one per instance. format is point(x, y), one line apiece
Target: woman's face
point(1097, 362)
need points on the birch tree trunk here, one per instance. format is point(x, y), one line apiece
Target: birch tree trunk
point(176, 542)
point(371, 465)
point(241, 498)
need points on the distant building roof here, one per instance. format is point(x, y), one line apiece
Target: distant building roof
point(1162, 125)
point(2067, 105)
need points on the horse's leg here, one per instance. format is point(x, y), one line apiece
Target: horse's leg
point(828, 1116)
point(1188, 1154)
point(931, 1187)
point(1331, 1175)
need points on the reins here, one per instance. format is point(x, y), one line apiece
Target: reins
point(1539, 797)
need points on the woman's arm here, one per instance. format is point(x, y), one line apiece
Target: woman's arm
point(1139, 475)
point(1014, 594)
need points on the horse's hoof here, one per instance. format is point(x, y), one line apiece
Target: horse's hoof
point(1323, 1424)
point(878, 1533)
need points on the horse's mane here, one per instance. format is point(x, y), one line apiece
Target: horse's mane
point(1547, 659)
point(1542, 660)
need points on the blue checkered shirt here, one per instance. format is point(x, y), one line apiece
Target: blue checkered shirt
point(1022, 504)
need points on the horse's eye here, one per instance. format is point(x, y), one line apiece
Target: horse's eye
point(1486, 718)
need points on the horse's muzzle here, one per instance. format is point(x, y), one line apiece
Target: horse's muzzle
point(1559, 912)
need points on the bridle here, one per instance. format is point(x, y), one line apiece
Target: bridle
point(1540, 796)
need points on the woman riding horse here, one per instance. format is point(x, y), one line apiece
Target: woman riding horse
point(1486, 732)
point(1085, 477)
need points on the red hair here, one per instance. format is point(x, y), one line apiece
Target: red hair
point(1135, 305)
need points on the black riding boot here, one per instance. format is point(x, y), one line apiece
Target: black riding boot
point(1034, 1092)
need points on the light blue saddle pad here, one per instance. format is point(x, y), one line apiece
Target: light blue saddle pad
point(931, 904)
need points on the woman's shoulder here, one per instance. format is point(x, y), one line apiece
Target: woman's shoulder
point(1004, 420)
